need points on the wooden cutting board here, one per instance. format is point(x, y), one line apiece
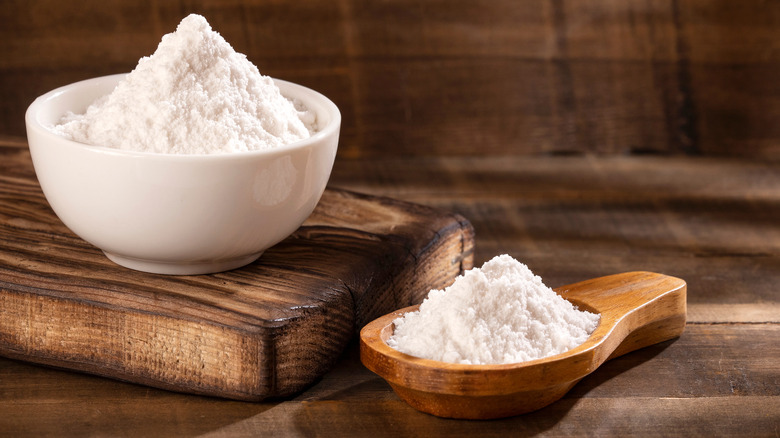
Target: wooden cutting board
point(269, 329)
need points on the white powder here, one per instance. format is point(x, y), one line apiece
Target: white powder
point(500, 313)
point(194, 95)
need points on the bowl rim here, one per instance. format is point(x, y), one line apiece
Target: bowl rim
point(332, 128)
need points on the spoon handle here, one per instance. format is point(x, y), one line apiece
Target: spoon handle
point(643, 308)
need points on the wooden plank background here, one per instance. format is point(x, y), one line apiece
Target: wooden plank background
point(456, 77)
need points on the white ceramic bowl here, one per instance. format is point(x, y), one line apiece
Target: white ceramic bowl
point(179, 214)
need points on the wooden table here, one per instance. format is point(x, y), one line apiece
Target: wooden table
point(713, 222)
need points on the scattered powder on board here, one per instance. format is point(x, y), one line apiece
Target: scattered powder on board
point(194, 95)
point(500, 313)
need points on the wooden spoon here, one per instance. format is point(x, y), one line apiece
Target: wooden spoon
point(637, 309)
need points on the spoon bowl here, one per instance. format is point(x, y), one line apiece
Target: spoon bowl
point(637, 309)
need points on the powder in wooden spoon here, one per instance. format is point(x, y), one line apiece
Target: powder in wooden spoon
point(500, 313)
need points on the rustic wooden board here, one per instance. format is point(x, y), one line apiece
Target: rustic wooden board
point(268, 329)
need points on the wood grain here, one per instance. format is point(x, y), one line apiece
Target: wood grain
point(705, 382)
point(713, 222)
point(268, 329)
point(468, 78)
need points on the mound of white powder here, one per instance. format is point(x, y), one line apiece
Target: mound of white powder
point(194, 95)
point(500, 313)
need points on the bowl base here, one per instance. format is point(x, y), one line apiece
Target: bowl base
point(184, 268)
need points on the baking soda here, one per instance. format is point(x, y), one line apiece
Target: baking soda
point(194, 95)
point(500, 313)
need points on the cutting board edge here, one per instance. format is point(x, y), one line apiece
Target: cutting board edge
point(115, 353)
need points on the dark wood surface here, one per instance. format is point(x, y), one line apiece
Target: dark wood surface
point(712, 222)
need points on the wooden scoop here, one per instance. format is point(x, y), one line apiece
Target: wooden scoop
point(637, 309)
